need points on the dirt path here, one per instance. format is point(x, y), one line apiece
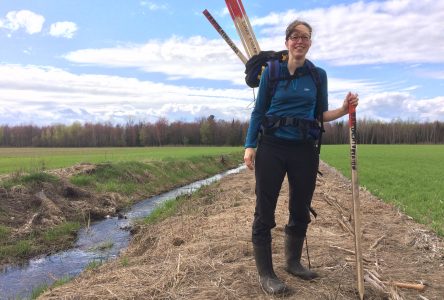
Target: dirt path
point(205, 251)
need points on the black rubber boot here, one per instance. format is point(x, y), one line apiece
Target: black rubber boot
point(267, 278)
point(293, 253)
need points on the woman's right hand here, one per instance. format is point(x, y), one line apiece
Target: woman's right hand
point(249, 156)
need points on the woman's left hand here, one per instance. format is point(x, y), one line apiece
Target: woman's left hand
point(350, 99)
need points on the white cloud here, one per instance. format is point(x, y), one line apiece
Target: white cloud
point(223, 12)
point(198, 57)
point(153, 6)
point(63, 29)
point(28, 20)
point(432, 74)
point(401, 105)
point(28, 51)
point(412, 88)
point(46, 95)
point(396, 31)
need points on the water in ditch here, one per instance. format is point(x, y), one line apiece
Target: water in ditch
point(103, 240)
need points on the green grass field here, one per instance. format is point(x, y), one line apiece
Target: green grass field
point(31, 159)
point(409, 176)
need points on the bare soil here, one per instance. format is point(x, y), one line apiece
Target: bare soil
point(205, 251)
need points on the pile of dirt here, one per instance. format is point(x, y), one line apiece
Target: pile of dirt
point(37, 207)
point(205, 251)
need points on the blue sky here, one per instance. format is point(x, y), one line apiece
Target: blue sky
point(63, 61)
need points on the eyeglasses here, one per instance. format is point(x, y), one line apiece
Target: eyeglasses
point(303, 38)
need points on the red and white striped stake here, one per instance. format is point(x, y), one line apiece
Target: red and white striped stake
point(225, 36)
point(244, 13)
point(241, 35)
point(243, 27)
point(355, 196)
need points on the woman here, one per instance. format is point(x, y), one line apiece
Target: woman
point(287, 150)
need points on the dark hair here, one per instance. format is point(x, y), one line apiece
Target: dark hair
point(292, 28)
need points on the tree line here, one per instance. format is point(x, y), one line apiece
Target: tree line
point(204, 131)
point(377, 132)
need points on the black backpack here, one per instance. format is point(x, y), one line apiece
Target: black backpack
point(257, 63)
point(253, 70)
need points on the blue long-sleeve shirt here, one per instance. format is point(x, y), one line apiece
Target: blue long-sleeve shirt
point(296, 99)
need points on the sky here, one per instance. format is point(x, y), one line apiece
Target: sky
point(120, 61)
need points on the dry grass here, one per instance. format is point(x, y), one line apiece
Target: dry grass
point(205, 251)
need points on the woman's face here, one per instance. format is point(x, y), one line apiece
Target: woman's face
point(299, 42)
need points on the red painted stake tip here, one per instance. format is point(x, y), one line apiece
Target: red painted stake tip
point(230, 10)
point(242, 7)
point(236, 9)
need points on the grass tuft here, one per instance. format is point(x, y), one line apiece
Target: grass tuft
point(61, 231)
point(94, 264)
point(39, 290)
point(30, 179)
point(18, 249)
point(163, 211)
point(4, 232)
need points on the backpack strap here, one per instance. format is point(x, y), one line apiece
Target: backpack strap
point(319, 113)
point(274, 68)
point(274, 76)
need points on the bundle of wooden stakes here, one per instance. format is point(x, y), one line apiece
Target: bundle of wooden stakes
point(243, 28)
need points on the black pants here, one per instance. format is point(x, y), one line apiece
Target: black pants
point(275, 158)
